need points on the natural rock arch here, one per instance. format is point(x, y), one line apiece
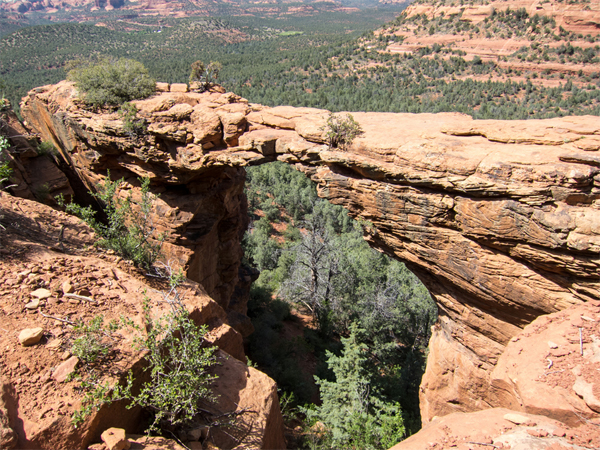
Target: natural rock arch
point(499, 219)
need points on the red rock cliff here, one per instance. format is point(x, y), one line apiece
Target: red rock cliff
point(499, 219)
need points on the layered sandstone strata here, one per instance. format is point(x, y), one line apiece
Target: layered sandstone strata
point(499, 219)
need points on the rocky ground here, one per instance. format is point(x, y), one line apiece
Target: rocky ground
point(53, 277)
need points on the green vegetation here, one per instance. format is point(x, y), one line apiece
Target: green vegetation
point(178, 386)
point(35, 56)
point(178, 358)
point(353, 410)
point(341, 130)
point(5, 170)
point(205, 76)
point(111, 83)
point(336, 64)
point(132, 124)
point(94, 342)
point(319, 264)
point(127, 230)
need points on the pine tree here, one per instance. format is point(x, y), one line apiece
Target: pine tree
point(354, 413)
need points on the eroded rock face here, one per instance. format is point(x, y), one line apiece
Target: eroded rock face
point(201, 208)
point(500, 220)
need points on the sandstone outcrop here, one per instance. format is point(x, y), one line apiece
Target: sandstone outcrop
point(500, 220)
point(565, 24)
point(548, 378)
point(500, 428)
point(35, 172)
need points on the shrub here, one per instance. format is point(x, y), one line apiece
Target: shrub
point(93, 341)
point(5, 170)
point(128, 232)
point(47, 148)
point(341, 130)
point(178, 361)
point(132, 124)
point(205, 76)
point(111, 83)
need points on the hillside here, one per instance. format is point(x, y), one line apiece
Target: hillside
point(519, 39)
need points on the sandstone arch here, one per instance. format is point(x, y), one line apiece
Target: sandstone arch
point(500, 220)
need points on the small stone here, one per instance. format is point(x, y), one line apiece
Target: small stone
point(589, 319)
point(33, 304)
point(67, 287)
point(559, 432)
point(32, 277)
point(518, 419)
point(54, 343)
point(195, 445)
point(84, 292)
point(65, 355)
point(552, 344)
point(115, 439)
point(30, 336)
point(65, 369)
point(537, 433)
point(41, 293)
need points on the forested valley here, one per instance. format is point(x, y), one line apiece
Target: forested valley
point(367, 319)
point(331, 60)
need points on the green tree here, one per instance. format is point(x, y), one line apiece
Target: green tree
point(355, 414)
point(205, 75)
point(110, 82)
point(342, 130)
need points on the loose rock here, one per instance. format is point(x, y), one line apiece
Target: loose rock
point(34, 304)
point(41, 293)
point(115, 439)
point(65, 369)
point(31, 336)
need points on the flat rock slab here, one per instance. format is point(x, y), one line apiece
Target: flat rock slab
point(65, 369)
